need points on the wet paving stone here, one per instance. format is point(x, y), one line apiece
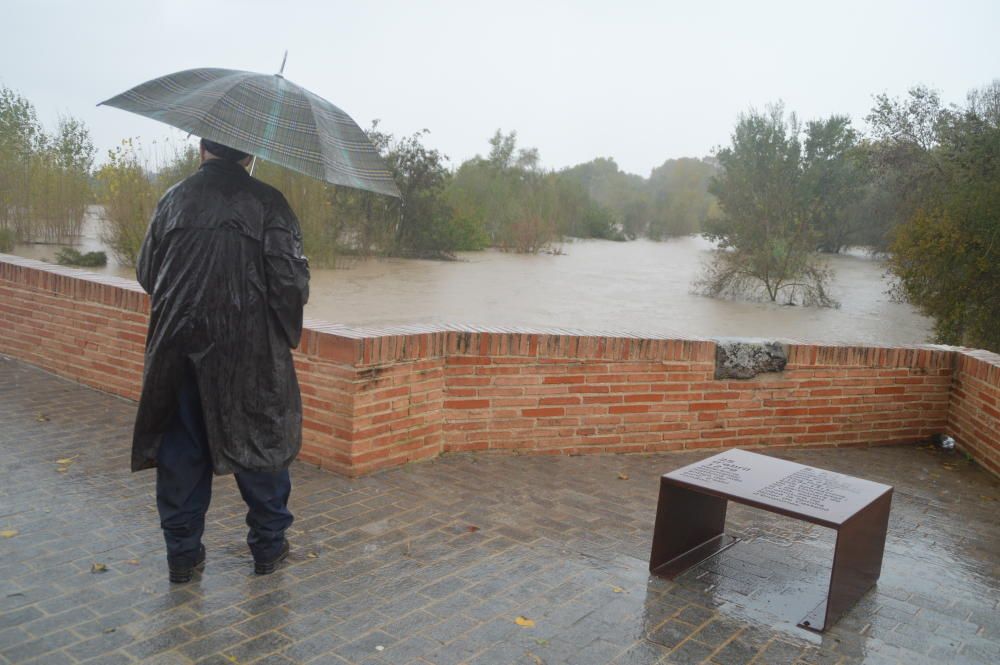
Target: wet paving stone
point(562, 542)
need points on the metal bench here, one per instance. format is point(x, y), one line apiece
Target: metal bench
point(691, 518)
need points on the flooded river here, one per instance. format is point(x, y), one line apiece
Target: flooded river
point(596, 285)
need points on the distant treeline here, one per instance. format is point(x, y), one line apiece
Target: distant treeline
point(503, 199)
point(921, 187)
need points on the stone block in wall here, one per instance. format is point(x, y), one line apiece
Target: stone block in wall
point(745, 359)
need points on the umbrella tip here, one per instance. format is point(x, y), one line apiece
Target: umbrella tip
point(283, 61)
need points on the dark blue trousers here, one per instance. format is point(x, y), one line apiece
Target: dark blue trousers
point(184, 489)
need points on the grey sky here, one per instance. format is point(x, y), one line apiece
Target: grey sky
point(637, 81)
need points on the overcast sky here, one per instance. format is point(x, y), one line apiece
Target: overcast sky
point(637, 81)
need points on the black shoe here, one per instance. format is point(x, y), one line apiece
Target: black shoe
point(181, 573)
point(268, 567)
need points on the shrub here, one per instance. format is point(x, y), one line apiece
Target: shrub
point(67, 256)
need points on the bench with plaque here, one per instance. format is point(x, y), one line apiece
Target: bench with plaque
point(691, 518)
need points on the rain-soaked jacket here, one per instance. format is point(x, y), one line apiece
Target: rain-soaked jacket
point(223, 263)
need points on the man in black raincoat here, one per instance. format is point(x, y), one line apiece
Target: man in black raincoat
point(222, 261)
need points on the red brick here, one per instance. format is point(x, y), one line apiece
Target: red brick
point(467, 404)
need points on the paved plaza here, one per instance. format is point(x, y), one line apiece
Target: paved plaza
point(466, 559)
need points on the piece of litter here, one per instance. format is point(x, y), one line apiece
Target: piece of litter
point(622, 476)
point(525, 622)
point(379, 648)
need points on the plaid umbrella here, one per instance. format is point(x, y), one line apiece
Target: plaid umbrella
point(267, 116)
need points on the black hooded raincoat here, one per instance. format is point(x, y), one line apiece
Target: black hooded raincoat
point(223, 263)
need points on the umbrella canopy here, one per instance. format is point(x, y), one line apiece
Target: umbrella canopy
point(267, 116)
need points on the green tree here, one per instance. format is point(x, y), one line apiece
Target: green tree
point(44, 178)
point(617, 205)
point(128, 194)
point(835, 183)
point(901, 159)
point(508, 196)
point(946, 251)
point(427, 225)
point(339, 220)
point(765, 240)
point(680, 200)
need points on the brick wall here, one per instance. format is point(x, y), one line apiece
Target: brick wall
point(627, 395)
point(377, 398)
point(974, 416)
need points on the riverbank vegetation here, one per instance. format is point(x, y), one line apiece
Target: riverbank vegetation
point(44, 176)
point(940, 167)
point(919, 187)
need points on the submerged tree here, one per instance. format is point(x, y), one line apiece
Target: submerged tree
point(766, 242)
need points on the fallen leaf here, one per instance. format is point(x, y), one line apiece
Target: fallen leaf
point(618, 589)
point(132, 562)
point(62, 469)
point(9, 533)
point(66, 460)
point(987, 498)
point(41, 417)
point(541, 642)
point(472, 529)
point(522, 621)
point(99, 568)
point(622, 475)
point(109, 630)
point(231, 659)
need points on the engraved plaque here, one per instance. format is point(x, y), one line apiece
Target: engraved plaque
point(825, 496)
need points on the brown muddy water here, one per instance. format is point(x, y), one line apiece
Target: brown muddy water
point(596, 285)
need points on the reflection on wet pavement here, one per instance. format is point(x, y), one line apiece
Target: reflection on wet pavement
point(435, 562)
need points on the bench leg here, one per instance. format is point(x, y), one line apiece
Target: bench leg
point(857, 563)
point(689, 529)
